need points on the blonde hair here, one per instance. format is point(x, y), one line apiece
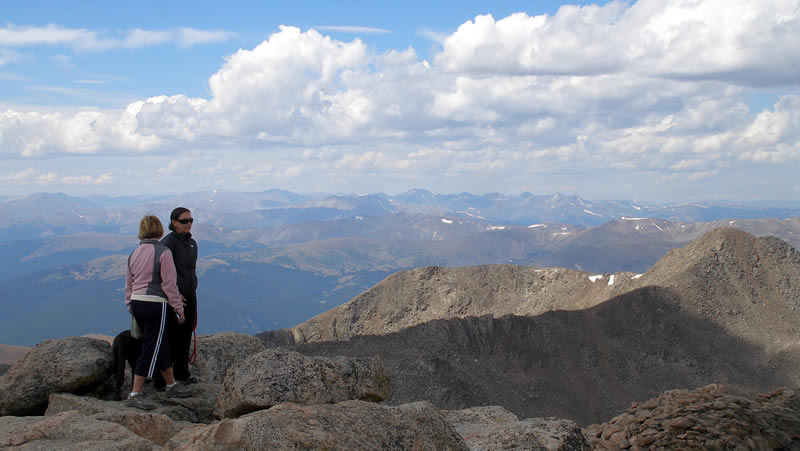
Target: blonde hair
point(150, 227)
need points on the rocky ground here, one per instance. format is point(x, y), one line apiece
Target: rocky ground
point(705, 418)
point(248, 397)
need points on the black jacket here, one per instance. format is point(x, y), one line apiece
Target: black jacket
point(184, 252)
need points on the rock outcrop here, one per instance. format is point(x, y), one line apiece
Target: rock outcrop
point(346, 425)
point(72, 365)
point(276, 376)
point(69, 430)
point(216, 353)
point(487, 428)
point(153, 426)
point(705, 418)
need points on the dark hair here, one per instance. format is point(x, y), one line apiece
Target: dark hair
point(176, 213)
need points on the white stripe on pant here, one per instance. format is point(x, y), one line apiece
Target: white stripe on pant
point(158, 341)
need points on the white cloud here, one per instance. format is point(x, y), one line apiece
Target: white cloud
point(352, 29)
point(17, 36)
point(695, 176)
point(18, 177)
point(629, 87)
point(89, 40)
point(28, 175)
point(688, 164)
point(10, 77)
point(435, 36)
point(8, 56)
point(145, 38)
point(746, 42)
point(173, 167)
point(191, 36)
point(48, 177)
point(102, 179)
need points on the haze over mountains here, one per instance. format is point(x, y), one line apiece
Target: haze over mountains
point(273, 259)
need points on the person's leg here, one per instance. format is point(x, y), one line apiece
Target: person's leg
point(183, 340)
point(138, 384)
point(167, 375)
point(151, 317)
point(146, 314)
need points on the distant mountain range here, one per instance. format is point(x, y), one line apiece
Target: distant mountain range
point(273, 259)
point(45, 215)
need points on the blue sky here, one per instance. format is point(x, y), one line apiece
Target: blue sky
point(648, 100)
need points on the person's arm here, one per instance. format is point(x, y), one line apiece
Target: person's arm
point(196, 256)
point(169, 283)
point(128, 284)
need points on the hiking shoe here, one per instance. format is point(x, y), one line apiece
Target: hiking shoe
point(138, 401)
point(189, 380)
point(176, 391)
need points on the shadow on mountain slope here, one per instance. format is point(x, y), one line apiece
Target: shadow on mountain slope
point(585, 365)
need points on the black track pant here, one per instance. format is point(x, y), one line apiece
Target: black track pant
point(155, 355)
point(180, 338)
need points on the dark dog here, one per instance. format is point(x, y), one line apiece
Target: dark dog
point(125, 348)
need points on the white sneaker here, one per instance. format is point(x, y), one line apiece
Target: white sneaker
point(138, 401)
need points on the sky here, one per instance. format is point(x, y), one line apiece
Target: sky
point(652, 100)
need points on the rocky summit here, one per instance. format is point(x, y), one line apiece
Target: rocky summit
point(58, 397)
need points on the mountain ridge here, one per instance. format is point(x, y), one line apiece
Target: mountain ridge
point(752, 272)
point(578, 364)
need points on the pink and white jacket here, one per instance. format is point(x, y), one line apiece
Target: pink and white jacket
point(151, 276)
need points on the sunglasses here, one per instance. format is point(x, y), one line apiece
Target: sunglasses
point(185, 221)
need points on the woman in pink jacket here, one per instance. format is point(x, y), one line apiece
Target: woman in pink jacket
point(150, 283)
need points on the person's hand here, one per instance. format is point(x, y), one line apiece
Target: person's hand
point(183, 299)
point(181, 318)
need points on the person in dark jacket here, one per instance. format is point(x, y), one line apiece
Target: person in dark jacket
point(184, 253)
